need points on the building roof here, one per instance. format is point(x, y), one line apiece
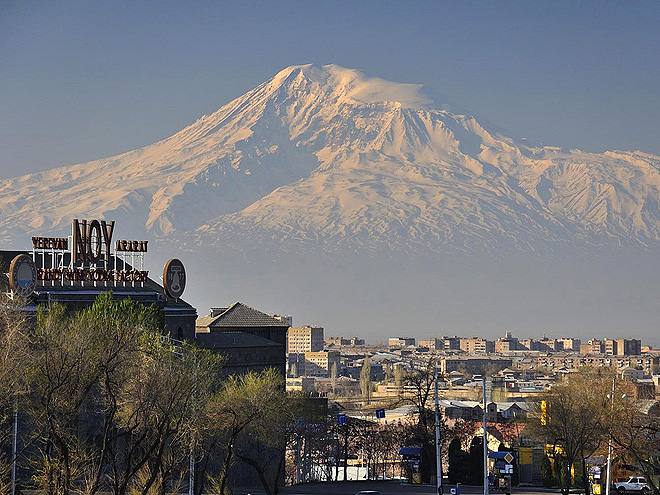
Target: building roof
point(227, 340)
point(239, 315)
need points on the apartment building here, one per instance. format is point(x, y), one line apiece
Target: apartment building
point(623, 347)
point(433, 344)
point(397, 342)
point(477, 345)
point(593, 346)
point(648, 363)
point(305, 339)
point(320, 363)
point(506, 344)
point(452, 343)
point(567, 344)
point(354, 341)
point(629, 347)
point(474, 365)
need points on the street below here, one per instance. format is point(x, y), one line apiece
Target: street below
point(390, 488)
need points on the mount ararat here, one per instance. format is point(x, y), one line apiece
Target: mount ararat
point(327, 163)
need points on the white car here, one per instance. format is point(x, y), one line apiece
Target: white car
point(634, 484)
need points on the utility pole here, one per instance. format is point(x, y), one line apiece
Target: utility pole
point(191, 475)
point(346, 450)
point(14, 449)
point(485, 439)
point(609, 444)
point(438, 453)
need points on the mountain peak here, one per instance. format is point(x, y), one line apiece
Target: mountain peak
point(354, 85)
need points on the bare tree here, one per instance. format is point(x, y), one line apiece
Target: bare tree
point(635, 431)
point(246, 418)
point(569, 417)
point(66, 368)
point(14, 372)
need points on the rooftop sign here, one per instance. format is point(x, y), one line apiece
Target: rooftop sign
point(89, 257)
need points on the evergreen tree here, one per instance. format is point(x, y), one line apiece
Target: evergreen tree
point(547, 476)
point(365, 378)
point(476, 462)
point(458, 461)
point(333, 377)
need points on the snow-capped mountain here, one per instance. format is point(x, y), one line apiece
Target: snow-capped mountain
point(329, 157)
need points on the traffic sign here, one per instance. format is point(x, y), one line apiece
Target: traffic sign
point(380, 413)
point(341, 419)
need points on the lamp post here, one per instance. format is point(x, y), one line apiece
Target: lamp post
point(438, 453)
point(609, 440)
point(609, 444)
point(485, 439)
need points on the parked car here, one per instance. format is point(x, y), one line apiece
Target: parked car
point(634, 484)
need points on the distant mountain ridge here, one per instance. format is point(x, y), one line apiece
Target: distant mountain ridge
point(330, 158)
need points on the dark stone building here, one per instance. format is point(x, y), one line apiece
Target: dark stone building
point(249, 339)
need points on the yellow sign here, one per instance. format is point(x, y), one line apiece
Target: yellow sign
point(416, 478)
point(544, 412)
point(525, 455)
point(596, 489)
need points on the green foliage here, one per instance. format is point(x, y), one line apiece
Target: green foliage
point(14, 376)
point(365, 378)
point(333, 376)
point(572, 420)
point(547, 475)
point(458, 462)
point(247, 419)
point(399, 375)
point(475, 461)
point(114, 402)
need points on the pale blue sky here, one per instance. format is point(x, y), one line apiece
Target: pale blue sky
point(84, 80)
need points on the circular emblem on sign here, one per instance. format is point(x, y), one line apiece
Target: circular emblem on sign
point(22, 275)
point(174, 278)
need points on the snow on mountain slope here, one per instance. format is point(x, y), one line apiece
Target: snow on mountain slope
point(330, 157)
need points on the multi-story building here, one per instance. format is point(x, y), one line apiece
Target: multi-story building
point(288, 319)
point(305, 339)
point(567, 344)
point(433, 344)
point(400, 342)
point(474, 365)
point(629, 347)
point(477, 345)
point(354, 341)
point(452, 343)
point(506, 344)
point(593, 346)
point(249, 339)
point(623, 347)
point(320, 363)
point(648, 363)
point(611, 347)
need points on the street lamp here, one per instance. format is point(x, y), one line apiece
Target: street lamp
point(438, 453)
point(485, 439)
point(609, 439)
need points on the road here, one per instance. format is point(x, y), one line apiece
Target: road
point(389, 488)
